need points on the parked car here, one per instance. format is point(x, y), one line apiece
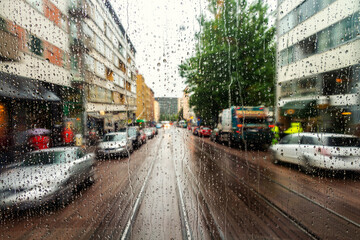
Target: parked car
point(319, 150)
point(149, 133)
point(156, 132)
point(143, 136)
point(204, 132)
point(159, 125)
point(134, 135)
point(214, 136)
point(115, 145)
point(45, 176)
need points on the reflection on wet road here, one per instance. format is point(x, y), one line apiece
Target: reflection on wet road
point(180, 186)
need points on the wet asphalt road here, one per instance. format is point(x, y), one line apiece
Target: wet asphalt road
point(178, 186)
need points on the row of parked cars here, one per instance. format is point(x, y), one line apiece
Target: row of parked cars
point(51, 176)
point(123, 142)
point(310, 151)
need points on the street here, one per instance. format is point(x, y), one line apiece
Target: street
point(179, 186)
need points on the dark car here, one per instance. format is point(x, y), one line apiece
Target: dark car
point(134, 135)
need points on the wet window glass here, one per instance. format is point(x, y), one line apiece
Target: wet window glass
point(177, 119)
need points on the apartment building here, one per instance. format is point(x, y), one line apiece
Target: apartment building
point(318, 70)
point(144, 100)
point(103, 64)
point(36, 82)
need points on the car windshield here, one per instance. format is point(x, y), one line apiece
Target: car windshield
point(45, 158)
point(252, 120)
point(114, 137)
point(342, 142)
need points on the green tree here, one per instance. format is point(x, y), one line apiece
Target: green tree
point(234, 63)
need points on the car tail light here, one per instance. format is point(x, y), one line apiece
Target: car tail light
point(239, 125)
point(271, 126)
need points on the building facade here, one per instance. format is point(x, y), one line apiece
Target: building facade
point(104, 64)
point(156, 111)
point(64, 62)
point(318, 70)
point(144, 100)
point(168, 106)
point(36, 89)
point(188, 112)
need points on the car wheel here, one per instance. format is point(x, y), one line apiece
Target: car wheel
point(305, 165)
point(274, 160)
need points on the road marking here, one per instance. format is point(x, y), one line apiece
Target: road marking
point(138, 200)
point(182, 204)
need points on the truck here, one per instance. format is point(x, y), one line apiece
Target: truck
point(243, 126)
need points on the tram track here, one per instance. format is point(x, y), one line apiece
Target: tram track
point(209, 150)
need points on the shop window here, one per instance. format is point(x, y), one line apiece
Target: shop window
point(286, 89)
point(35, 45)
point(336, 82)
point(307, 86)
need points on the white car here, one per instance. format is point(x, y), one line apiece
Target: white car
point(45, 176)
point(319, 150)
point(114, 144)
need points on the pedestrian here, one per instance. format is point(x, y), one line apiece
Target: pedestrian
point(276, 134)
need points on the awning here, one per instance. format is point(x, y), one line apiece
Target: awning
point(141, 121)
point(18, 87)
point(300, 109)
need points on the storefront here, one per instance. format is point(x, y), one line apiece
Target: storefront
point(25, 104)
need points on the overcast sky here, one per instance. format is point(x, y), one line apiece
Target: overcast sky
point(162, 32)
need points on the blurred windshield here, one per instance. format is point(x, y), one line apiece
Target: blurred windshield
point(114, 137)
point(44, 158)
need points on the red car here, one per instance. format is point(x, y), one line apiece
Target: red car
point(204, 132)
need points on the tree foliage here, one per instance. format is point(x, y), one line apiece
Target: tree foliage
point(234, 63)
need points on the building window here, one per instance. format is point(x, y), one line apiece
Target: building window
point(89, 63)
point(37, 4)
point(109, 74)
point(99, 45)
point(87, 31)
point(100, 69)
point(35, 45)
point(99, 20)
